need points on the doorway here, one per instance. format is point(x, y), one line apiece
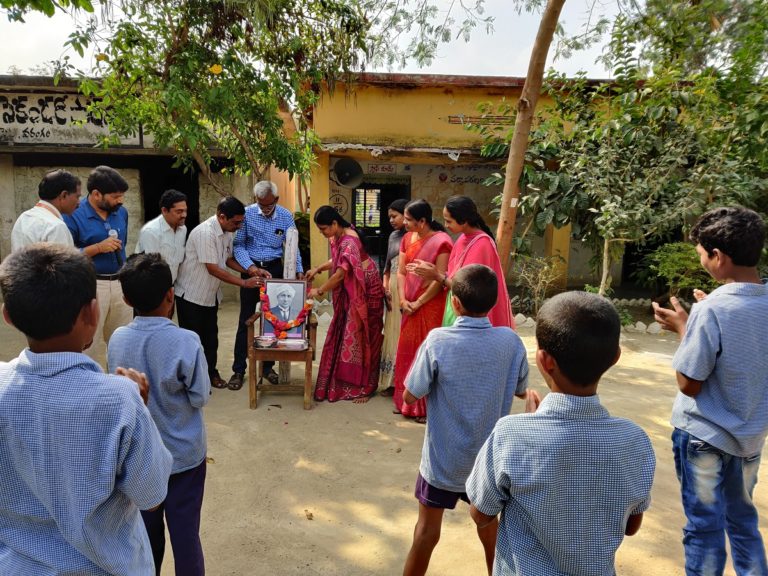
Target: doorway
point(370, 201)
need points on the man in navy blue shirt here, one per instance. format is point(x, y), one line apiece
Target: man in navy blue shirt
point(99, 228)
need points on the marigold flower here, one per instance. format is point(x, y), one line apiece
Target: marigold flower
point(216, 69)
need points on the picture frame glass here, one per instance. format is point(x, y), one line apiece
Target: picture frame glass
point(286, 300)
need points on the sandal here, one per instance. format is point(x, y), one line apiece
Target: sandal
point(217, 381)
point(420, 420)
point(387, 392)
point(272, 377)
point(236, 381)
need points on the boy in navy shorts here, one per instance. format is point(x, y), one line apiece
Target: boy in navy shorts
point(469, 373)
point(721, 411)
point(570, 481)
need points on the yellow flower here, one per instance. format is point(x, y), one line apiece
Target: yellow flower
point(216, 69)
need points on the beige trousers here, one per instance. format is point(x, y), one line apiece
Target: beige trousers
point(113, 313)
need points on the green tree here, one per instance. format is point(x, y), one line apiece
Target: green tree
point(17, 9)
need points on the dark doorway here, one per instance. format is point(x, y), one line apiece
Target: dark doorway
point(370, 201)
point(158, 175)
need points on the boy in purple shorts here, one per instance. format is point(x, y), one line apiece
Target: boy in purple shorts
point(469, 373)
point(721, 411)
point(173, 359)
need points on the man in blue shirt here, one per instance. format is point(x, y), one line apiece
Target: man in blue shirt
point(173, 360)
point(721, 411)
point(79, 452)
point(467, 392)
point(258, 248)
point(99, 228)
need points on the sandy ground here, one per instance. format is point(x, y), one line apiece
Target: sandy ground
point(330, 491)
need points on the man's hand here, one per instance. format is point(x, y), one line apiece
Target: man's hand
point(699, 295)
point(673, 320)
point(139, 377)
point(253, 282)
point(109, 244)
point(310, 275)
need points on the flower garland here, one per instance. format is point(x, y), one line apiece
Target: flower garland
point(281, 326)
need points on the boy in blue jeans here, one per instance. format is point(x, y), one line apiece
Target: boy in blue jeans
point(469, 373)
point(570, 480)
point(174, 361)
point(721, 412)
point(79, 453)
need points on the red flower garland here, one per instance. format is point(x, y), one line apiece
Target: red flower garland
point(281, 326)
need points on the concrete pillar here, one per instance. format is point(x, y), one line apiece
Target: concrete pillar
point(319, 186)
point(557, 242)
point(7, 203)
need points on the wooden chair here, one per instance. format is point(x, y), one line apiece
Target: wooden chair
point(258, 355)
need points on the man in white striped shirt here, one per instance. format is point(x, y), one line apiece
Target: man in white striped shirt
point(198, 285)
point(59, 193)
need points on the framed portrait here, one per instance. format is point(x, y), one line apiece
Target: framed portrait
point(286, 301)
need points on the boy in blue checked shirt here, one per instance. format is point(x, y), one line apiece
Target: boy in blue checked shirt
point(79, 453)
point(173, 359)
point(721, 412)
point(469, 373)
point(570, 480)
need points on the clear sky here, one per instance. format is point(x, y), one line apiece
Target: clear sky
point(505, 52)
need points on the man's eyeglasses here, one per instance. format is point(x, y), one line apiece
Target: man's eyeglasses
point(267, 205)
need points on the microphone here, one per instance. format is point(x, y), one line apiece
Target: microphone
point(112, 233)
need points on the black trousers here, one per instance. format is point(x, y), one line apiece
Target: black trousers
point(203, 321)
point(249, 297)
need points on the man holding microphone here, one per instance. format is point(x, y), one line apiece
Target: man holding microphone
point(99, 228)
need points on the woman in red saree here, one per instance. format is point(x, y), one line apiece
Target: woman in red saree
point(475, 245)
point(422, 301)
point(349, 365)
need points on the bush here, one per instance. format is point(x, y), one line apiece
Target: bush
point(677, 265)
point(535, 276)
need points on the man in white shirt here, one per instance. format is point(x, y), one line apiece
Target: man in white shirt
point(59, 193)
point(198, 286)
point(167, 233)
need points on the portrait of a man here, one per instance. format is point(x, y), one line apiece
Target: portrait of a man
point(286, 300)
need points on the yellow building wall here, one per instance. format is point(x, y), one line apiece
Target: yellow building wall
point(414, 117)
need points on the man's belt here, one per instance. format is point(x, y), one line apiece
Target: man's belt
point(266, 263)
point(106, 276)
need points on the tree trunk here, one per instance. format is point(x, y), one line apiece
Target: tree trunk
point(605, 279)
point(526, 107)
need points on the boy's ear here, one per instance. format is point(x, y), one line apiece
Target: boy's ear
point(457, 307)
point(545, 361)
point(90, 313)
point(7, 317)
point(169, 296)
point(618, 355)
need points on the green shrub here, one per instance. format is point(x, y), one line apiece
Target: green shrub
point(677, 265)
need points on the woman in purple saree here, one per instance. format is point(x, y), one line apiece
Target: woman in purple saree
point(349, 365)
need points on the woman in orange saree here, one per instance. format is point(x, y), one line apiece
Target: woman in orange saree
point(422, 302)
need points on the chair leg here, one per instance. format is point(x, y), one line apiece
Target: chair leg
point(308, 384)
point(252, 371)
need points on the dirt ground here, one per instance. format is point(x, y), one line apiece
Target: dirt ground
point(330, 491)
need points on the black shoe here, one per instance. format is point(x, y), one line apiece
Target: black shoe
point(236, 381)
point(272, 377)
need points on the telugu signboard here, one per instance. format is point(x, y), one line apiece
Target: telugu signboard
point(51, 119)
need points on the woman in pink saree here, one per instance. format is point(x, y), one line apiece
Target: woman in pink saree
point(422, 301)
point(349, 365)
point(475, 245)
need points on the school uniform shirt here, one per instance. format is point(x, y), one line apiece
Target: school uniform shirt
point(157, 236)
point(173, 360)
point(41, 223)
point(724, 348)
point(261, 238)
point(207, 244)
point(469, 373)
point(87, 228)
point(79, 457)
point(565, 479)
